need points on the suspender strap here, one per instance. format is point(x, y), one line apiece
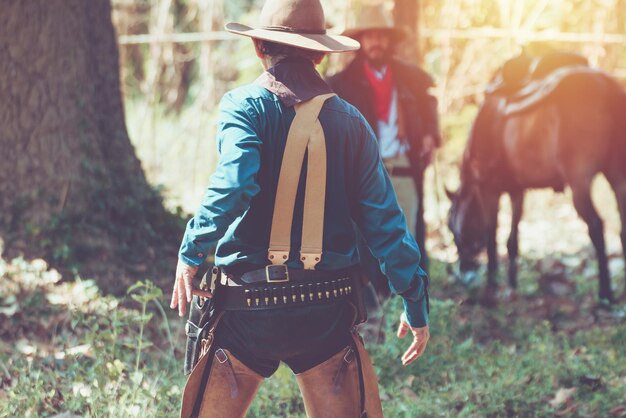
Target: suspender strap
point(314, 200)
point(305, 131)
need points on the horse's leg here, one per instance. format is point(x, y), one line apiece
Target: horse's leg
point(491, 205)
point(586, 210)
point(621, 199)
point(617, 179)
point(517, 206)
point(420, 224)
point(489, 209)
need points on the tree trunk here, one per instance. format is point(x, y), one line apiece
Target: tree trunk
point(405, 15)
point(71, 188)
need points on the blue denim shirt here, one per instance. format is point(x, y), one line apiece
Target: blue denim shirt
point(236, 211)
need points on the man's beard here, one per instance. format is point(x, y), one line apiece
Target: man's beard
point(379, 59)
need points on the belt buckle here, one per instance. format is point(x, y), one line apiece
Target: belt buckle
point(281, 280)
point(221, 356)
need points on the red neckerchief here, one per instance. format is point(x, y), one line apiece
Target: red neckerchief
point(383, 89)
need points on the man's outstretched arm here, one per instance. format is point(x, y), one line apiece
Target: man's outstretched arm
point(383, 226)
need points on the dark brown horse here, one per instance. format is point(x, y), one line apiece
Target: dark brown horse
point(563, 138)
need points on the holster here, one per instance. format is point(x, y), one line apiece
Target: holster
point(202, 314)
point(360, 281)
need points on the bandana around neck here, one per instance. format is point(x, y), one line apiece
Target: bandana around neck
point(383, 90)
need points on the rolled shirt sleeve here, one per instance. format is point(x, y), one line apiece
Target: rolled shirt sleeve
point(383, 225)
point(233, 184)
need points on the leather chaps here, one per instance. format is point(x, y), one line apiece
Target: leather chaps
point(343, 386)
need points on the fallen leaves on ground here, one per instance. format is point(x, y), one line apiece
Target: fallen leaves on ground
point(563, 396)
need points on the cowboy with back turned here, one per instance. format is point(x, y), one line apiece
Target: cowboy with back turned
point(298, 168)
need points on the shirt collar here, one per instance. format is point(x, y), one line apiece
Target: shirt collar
point(293, 80)
point(379, 74)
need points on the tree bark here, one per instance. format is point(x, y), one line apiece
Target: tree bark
point(406, 15)
point(71, 188)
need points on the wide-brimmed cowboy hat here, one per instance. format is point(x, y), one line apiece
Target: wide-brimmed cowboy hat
point(374, 18)
point(298, 23)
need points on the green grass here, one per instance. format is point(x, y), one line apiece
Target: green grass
point(65, 348)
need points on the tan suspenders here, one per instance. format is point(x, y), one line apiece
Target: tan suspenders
point(305, 134)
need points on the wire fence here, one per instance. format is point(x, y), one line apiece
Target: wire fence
point(434, 33)
point(524, 36)
point(518, 36)
point(190, 37)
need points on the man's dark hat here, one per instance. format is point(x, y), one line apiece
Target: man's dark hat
point(299, 23)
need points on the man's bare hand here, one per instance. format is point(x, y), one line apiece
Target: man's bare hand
point(420, 339)
point(183, 288)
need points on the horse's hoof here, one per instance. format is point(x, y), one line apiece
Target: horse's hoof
point(605, 311)
point(608, 299)
point(510, 295)
point(469, 279)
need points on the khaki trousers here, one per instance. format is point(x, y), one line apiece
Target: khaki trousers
point(405, 189)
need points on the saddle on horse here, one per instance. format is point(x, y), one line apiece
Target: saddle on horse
point(526, 81)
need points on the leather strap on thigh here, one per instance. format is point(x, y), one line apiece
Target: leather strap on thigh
point(370, 399)
point(343, 386)
point(230, 388)
point(331, 389)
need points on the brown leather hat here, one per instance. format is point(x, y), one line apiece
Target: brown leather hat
point(298, 23)
point(374, 18)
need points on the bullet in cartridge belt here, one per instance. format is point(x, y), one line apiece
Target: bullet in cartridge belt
point(272, 295)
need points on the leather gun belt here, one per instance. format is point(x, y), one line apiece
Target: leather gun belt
point(270, 288)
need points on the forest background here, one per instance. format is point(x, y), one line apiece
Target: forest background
point(68, 350)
